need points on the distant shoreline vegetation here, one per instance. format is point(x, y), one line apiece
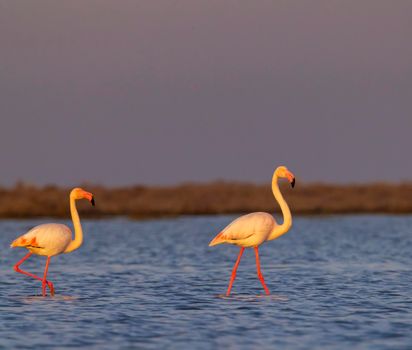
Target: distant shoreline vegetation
point(219, 197)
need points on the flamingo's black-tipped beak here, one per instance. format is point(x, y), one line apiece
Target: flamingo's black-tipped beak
point(293, 183)
point(92, 201)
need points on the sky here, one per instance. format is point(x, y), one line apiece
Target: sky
point(162, 92)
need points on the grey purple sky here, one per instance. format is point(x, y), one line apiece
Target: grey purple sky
point(165, 91)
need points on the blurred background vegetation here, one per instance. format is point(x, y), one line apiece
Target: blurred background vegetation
point(219, 197)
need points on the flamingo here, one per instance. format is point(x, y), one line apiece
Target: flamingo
point(53, 239)
point(253, 229)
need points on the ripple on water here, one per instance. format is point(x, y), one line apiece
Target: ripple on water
point(336, 282)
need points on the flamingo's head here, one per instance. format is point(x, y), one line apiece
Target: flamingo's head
point(79, 193)
point(284, 172)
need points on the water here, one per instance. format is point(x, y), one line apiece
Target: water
point(336, 283)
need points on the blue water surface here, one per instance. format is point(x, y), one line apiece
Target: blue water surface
point(337, 282)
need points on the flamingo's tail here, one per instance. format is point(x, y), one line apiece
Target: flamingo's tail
point(16, 243)
point(23, 242)
point(219, 239)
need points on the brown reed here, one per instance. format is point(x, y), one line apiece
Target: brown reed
point(219, 197)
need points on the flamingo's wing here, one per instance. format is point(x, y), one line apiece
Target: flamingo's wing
point(44, 236)
point(245, 227)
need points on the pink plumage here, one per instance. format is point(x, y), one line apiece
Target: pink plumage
point(247, 231)
point(46, 239)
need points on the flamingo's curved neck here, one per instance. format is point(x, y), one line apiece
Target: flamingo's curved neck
point(287, 217)
point(78, 232)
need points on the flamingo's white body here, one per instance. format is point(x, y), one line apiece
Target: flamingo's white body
point(253, 229)
point(248, 230)
point(46, 239)
point(52, 239)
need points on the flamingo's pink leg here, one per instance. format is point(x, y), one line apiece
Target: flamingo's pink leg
point(44, 282)
point(17, 269)
point(234, 272)
point(259, 273)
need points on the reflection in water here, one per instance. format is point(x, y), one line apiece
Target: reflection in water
point(48, 299)
point(252, 298)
